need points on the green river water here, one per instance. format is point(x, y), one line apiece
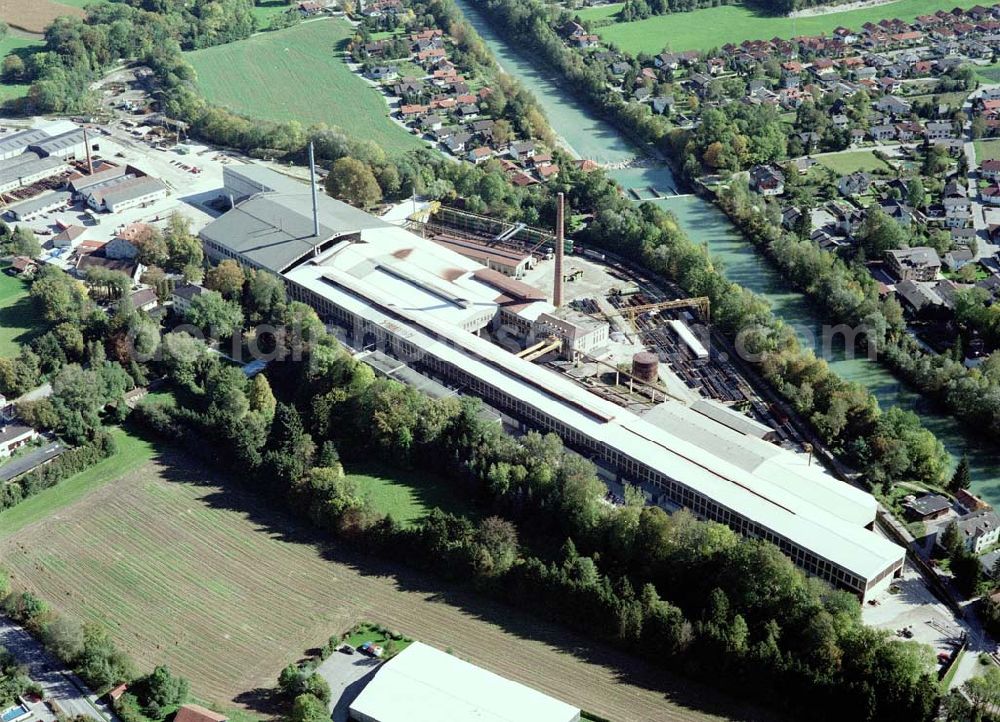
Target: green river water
point(591, 137)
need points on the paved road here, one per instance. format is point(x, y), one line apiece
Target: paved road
point(59, 684)
point(29, 461)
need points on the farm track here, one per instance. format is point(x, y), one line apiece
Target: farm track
point(224, 590)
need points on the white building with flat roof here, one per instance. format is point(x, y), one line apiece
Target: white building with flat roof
point(423, 684)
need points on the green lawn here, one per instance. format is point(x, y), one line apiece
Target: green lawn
point(987, 149)
point(299, 74)
point(714, 27)
point(988, 73)
point(19, 319)
point(367, 632)
point(851, 161)
point(9, 44)
point(78, 3)
point(132, 453)
point(268, 9)
point(408, 495)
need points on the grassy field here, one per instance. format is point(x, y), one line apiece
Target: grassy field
point(406, 495)
point(714, 27)
point(19, 319)
point(987, 149)
point(988, 73)
point(851, 161)
point(226, 591)
point(132, 453)
point(299, 74)
point(268, 9)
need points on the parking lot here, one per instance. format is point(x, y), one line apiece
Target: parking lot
point(347, 675)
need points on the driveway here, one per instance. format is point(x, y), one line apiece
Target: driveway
point(60, 685)
point(347, 675)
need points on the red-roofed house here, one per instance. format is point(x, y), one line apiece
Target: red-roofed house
point(197, 713)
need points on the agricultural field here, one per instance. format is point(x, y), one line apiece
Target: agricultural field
point(34, 16)
point(987, 150)
point(225, 590)
point(19, 318)
point(132, 453)
point(714, 27)
point(988, 73)
point(299, 74)
point(264, 11)
point(851, 161)
point(406, 495)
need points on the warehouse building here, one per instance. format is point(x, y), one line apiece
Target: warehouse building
point(68, 145)
point(27, 168)
point(32, 208)
point(428, 306)
point(121, 194)
point(17, 143)
point(423, 684)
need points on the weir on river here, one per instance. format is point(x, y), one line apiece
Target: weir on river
point(587, 136)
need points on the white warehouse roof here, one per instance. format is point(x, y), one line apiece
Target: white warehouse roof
point(423, 684)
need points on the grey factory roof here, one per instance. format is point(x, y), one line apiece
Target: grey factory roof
point(82, 183)
point(21, 140)
point(50, 145)
point(25, 165)
point(128, 188)
point(265, 178)
point(49, 200)
point(273, 230)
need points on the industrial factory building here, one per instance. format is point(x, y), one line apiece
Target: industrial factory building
point(427, 305)
point(423, 684)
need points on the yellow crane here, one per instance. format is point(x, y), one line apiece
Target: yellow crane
point(702, 303)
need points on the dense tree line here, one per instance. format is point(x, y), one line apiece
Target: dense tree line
point(689, 594)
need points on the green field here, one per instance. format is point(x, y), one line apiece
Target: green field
point(988, 73)
point(268, 9)
point(987, 150)
point(78, 3)
point(19, 318)
point(714, 27)
point(132, 453)
point(7, 45)
point(407, 495)
point(851, 161)
point(299, 74)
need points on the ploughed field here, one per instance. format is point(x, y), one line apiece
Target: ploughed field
point(34, 16)
point(226, 591)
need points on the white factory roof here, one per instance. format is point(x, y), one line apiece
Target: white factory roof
point(422, 684)
point(828, 525)
point(416, 273)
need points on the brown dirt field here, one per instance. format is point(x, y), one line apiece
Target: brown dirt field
point(34, 16)
point(226, 591)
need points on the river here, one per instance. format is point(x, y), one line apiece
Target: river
point(590, 137)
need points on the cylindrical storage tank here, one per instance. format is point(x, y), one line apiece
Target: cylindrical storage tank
point(646, 366)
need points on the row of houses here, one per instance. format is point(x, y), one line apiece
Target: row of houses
point(441, 106)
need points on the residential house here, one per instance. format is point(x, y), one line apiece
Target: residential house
point(990, 169)
point(767, 181)
point(183, 295)
point(13, 436)
point(978, 530)
point(936, 130)
point(892, 104)
point(927, 507)
point(920, 263)
point(854, 184)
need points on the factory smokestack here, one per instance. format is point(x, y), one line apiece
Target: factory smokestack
point(86, 146)
point(312, 183)
point(557, 289)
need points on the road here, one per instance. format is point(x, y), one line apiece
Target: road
point(59, 684)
